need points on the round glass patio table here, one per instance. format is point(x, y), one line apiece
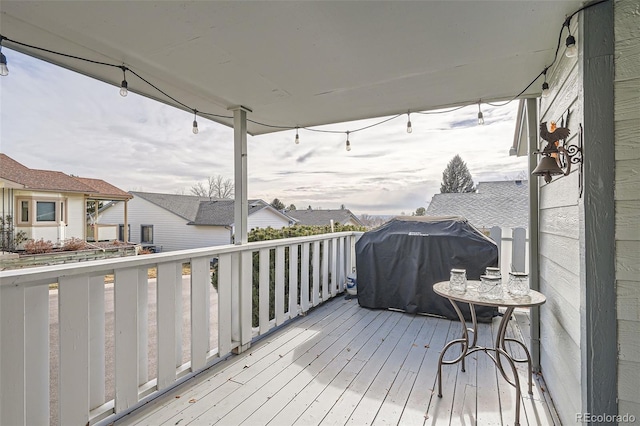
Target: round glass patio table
point(472, 297)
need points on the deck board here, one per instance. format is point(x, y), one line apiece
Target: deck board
point(343, 364)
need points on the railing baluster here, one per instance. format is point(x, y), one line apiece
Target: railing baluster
point(199, 304)
point(341, 264)
point(224, 304)
point(37, 354)
point(143, 326)
point(178, 314)
point(304, 281)
point(12, 360)
point(73, 309)
point(166, 314)
point(279, 285)
point(334, 266)
point(325, 270)
point(246, 298)
point(263, 291)
point(315, 295)
point(293, 281)
point(96, 342)
point(126, 338)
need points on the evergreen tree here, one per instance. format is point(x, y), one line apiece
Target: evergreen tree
point(420, 211)
point(277, 204)
point(456, 177)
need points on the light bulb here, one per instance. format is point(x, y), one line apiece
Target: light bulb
point(545, 89)
point(124, 88)
point(3, 65)
point(348, 144)
point(409, 128)
point(195, 127)
point(572, 49)
point(480, 118)
point(297, 138)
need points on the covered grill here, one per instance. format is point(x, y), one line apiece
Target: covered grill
point(399, 262)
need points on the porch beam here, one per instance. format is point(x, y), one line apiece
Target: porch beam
point(598, 340)
point(241, 207)
point(531, 112)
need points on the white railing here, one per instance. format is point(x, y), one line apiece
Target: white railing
point(513, 249)
point(106, 368)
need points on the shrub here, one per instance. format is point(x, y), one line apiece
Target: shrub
point(38, 246)
point(74, 244)
point(264, 234)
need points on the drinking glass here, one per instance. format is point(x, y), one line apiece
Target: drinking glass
point(518, 284)
point(458, 280)
point(490, 287)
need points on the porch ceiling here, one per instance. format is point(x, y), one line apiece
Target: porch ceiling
point(300, 63)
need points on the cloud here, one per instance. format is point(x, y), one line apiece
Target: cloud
point(55, 119)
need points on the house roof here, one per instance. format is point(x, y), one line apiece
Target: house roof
point(202, 210)
point(23, 177)
point(323, 217)
point(502, 203)
point(300, 63)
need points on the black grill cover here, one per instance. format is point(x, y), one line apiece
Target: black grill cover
point(399, 263)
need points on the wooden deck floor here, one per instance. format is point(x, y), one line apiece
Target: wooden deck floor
point(342, 364)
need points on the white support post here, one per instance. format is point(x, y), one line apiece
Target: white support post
point(241, 207)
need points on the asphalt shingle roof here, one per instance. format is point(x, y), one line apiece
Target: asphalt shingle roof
point(322, 217)
point(49, 180)
point(199, 210)
point(502, 203)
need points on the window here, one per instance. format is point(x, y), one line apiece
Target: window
point(24, 211)
point(45, 211)
point(146, 234)
point(121, 232)
point(62, 218)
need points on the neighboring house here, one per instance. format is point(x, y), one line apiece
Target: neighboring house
point(502, 203)
point(324, 217)
point(52, 205)
point(168, 222)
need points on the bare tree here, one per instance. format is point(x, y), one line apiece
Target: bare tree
point(216, 187)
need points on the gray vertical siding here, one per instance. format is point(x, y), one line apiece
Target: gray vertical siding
point(627, 201)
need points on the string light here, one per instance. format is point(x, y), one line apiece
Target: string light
point(4, 71)
point(124, 86)
point(195, 122)
point(572, 49)
point(545, 85)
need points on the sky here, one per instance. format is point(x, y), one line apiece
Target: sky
point(54, 119)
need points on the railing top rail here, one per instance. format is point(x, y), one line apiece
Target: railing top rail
point(41, 274)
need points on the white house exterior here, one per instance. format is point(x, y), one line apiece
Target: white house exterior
point(50, 205)
point(168, 222)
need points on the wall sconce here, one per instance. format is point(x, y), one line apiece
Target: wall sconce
point(557, 159)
